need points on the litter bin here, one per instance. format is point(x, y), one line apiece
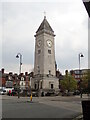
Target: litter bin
point(86, 109)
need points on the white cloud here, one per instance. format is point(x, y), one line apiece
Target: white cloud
point(1, 35)
point(37, 0)
point(69, 20)
point(15, 68)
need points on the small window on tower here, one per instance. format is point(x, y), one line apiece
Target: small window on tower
point(49, 51)
point(51, 86)
point(35, 85)
point(39, 51)
point(49, 71)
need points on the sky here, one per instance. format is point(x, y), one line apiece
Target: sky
point(19, 21)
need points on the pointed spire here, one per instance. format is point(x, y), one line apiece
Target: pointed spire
point(45, 26)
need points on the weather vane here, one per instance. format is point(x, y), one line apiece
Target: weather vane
point(44, 14)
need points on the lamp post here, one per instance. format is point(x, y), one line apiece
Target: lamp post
point(38, 79)
point(18, 87)
point(30, 88)
point(80, 55)
point(30, 78)
point(19, 56)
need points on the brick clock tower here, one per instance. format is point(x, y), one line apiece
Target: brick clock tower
point(45, 80)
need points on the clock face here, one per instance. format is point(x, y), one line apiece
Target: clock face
point(49, 43)
point(39, 43)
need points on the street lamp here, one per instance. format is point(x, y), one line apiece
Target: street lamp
point(19, 56)
point(80, 55)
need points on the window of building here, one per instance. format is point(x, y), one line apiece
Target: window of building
point(41, 85)
point(9, 78)
point(77, 72)
point(49, 71)
point(22, 83)
point(78, 76)
point(22, 78)
point(39, 51)
point(75, 76)
point(49, 51)
point(35, 86)
point(51, 86)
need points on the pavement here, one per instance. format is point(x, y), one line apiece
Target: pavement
point(69, 103)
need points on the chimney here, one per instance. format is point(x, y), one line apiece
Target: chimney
point(66, 72)
point(10, 73)
point(21, 74)
point(2, 70)
point(72, 72)
point(26, 73)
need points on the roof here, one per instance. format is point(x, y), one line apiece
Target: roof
point(45, 26)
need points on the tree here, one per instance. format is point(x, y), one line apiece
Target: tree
point(68, 83)
point(85, 82)
point(89, 81)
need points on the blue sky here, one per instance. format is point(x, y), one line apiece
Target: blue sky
point(21, 19)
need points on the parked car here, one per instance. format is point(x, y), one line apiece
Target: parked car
point(49, 94)
point(2, 92)
point(77, 92)
point(66, 93)
point(34, 93)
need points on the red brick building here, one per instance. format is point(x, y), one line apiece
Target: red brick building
point(10, 79)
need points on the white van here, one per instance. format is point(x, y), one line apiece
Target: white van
point(2, 91)
point(7, 90)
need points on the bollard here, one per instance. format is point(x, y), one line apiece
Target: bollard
point(31, 98)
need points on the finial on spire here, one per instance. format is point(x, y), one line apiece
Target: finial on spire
point(44, 15)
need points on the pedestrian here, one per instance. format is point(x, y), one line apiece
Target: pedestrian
point(9, 92)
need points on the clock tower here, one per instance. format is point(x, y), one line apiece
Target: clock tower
point(44, 50)
point(44, 61)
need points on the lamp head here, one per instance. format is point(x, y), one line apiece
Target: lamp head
point(82, 55)
point(17, 56)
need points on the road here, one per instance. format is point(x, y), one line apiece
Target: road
point(41, 107)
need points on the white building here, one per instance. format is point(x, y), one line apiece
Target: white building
point(44, 62)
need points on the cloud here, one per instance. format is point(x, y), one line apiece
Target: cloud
point(21, 20)
point(15, 68)
point(64, 1)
